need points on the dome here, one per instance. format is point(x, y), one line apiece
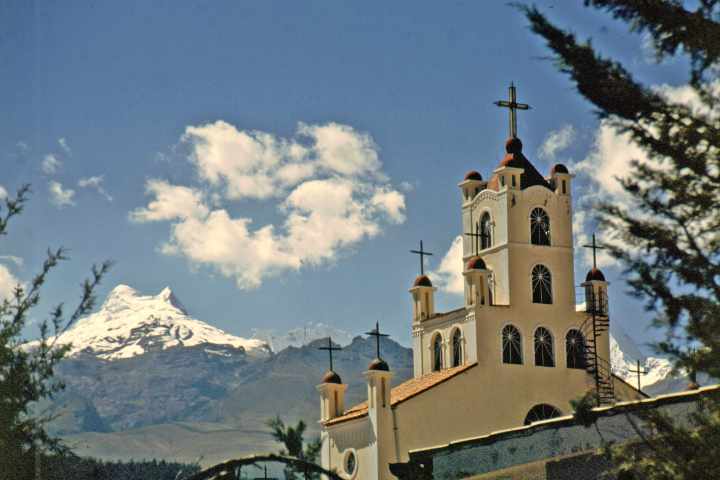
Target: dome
point(476, 263)
point(331, 377)
point(379, 364)
point(473, 175)
point(513, 145)
point(595, 274)
point(422, 281)
point(558, 168)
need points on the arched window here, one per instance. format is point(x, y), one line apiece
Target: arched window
point(511, 345)
point(541, 284)
point(544, 356)
point(437, 353)
point(539, 227)
point(539, 412)
point(456, 348)
point(575, 349)
point(485, 231)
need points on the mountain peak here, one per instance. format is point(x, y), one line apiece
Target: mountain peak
point(122, 290)
point(129, 324)
point(166, 295)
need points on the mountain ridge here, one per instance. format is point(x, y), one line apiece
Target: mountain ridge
point(129, 324)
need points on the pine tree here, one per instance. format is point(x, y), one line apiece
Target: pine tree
point(292, 439)
point(26, 374)
point(670, 238)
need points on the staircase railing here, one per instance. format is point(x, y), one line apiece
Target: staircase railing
point(600, 368)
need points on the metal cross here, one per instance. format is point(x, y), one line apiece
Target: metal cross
point(479, 234)
point(512, 105)
point(422, 254)
point(595, 247)
point(330, 349)
point(639, 371)
point(376, 333)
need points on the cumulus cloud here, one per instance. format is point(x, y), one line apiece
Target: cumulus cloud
point(8, 282)
point(448, 276)
point(3, 193)
point(50, 164)
point(59, 196)
point(95, 183)
point(556, 141)
point(326, 183)
point(64, 145)
point(171, 202)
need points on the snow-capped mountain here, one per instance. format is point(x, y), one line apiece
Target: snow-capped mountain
point(624, 354)
point(130, 324)
point(297, 337)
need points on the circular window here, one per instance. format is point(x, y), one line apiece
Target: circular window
point(350, 463)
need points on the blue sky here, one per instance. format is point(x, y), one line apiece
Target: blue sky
point(105, 98)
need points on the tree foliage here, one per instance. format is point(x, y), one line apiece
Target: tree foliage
point(293, 440)
point(669, 238)
point(27, 372)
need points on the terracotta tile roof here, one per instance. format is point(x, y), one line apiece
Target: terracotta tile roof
point(404, 391)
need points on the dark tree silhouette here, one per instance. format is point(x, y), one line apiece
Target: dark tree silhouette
point(27, 374)
point(670, 237)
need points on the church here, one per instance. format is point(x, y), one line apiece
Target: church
point(517, 350)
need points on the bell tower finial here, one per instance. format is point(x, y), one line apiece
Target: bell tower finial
point(512, 105)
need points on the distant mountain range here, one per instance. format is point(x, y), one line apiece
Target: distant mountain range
point(144, 379)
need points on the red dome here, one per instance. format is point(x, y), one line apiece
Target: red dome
point(513, 145)
point(473, 175)
point(476, 263)
point(422, 281)
point(558, 168)
point(595, 274)
point(331, 377)
point(379, 364)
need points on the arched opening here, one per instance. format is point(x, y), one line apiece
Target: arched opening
point(541, 284)
point(544, 355)
point(539, 227)
point(539, 412)
point(485, 231)
point(511, 345)
point(456, 348)
point(575, 350)
point(437, 353)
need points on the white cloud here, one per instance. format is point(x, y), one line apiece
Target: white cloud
point(391, 202)
point(342, 149)
point(60, 196)
point(8, 282)
point(171, 202)
point(64, 145)
point(95, 183)
point(3, 193)
point(326, 183)
point(448, 276)
point(556, 141)
point(50, 164)
point(254, 164)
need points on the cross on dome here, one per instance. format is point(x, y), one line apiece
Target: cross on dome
point(422, 253)
point(595, 247)
point(330, 349)
point(376, 333)
point(512, 105)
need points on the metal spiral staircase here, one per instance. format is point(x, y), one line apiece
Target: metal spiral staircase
point(600, 368)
